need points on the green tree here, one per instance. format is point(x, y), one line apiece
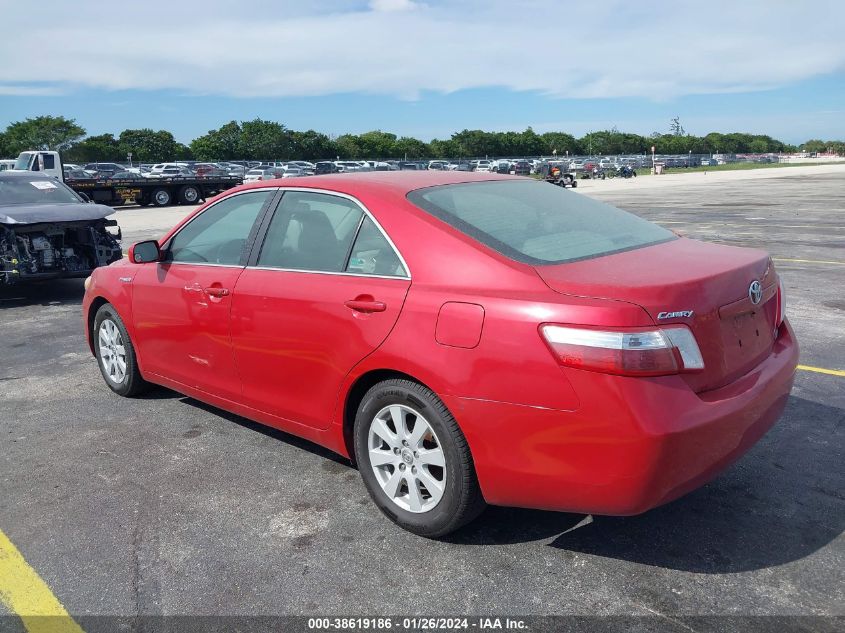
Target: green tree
point(409, 147)
point(100, 148)
point(265, 140)
point(349, 146)
point(376, 144)
point(148, 146)
point(43, 132)
point(560, 141)
point(476, 143)
point(220, 144)
point(814, 145)
point(313, 145)
point(3, 145)
point(444, 149)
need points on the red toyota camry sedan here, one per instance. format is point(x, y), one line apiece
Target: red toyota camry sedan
point(465, 338)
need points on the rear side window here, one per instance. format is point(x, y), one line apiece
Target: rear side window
point(372, 254)
point(536, 222)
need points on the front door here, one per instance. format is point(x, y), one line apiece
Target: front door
point(181, 305)
point(325, 291)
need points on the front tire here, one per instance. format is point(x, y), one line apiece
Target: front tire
point(116, 354)
point(414, 459)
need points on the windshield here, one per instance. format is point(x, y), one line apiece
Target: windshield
point(35, 191)
point(22, 164)
point(537, 223)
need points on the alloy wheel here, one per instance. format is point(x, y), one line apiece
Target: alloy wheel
point(112, 351)
point(407, 458)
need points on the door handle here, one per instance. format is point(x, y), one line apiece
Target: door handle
point(214, 291)
point(365, 305)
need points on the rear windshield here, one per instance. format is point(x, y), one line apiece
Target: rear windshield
point(536, 222)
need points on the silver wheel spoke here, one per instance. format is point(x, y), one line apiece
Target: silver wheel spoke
point(415, 499)
point(391, 487)
point(379, 427)
point(396, 414)
point(433, 457)
point(381, 458)
point(416, 437)
point(434, 487)
point(120, 350)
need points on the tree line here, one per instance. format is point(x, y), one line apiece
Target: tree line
point(268, 140)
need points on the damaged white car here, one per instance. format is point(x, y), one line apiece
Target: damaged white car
point(48, 231)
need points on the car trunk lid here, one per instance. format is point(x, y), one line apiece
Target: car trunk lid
point(675, 278)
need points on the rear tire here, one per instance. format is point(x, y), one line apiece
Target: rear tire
point(116, 354)
point(189, 194)
point(424, 477)
point(161, 197)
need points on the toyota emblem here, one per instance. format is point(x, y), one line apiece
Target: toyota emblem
point(755, 292)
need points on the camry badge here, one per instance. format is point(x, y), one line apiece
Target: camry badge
point(685, 314)
point(755, 292)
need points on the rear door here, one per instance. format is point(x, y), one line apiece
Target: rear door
point(322, 292)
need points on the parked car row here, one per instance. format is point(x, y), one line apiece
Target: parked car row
point(264, 170)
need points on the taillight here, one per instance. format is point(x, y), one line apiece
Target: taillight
point(625, 352)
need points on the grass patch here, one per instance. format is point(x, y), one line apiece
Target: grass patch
point(740, 167)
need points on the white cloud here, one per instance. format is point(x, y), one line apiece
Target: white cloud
point(392, 5)
point(573, 50)
point(29, 91)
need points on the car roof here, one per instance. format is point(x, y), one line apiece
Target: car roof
point(396, 182)
point(25, 174)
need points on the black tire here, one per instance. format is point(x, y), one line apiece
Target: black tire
point(574, 183)
point(161, 197)
point(132, 384)
point(461, 501)
point(189, 194)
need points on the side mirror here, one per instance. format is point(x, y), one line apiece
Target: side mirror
point(144, 252)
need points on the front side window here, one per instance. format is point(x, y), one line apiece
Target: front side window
point(537, 223)
point(219, 234)
point(310, 231)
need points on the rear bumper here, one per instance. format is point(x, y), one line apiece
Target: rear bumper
point(633, 444)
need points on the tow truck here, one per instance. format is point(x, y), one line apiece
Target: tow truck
point(160, 191)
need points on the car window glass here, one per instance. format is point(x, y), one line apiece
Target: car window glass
point(372, 254)
point(537, 223)
point(310, 231)
point(218, 234)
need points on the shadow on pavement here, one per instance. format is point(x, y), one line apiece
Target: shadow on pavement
point(781, 502)
point(55, 292)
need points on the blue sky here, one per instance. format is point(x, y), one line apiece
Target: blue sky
point(427, 69)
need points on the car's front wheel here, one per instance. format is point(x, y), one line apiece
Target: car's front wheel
point(415, 460)
point(116, 354)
